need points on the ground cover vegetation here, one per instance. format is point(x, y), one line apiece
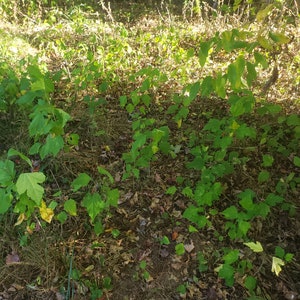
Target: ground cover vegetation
point(149, 150)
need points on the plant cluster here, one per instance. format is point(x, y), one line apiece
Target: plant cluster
point(248, 134)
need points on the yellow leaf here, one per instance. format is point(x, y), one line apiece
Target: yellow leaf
point(276, 265)
point(154, 149)
point(235, 125)
point(179, 122)
point(21, 218)
point(255, 247)
point(29, 230)
point(46, 212)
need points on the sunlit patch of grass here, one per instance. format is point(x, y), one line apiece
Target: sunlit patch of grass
point(14, 47)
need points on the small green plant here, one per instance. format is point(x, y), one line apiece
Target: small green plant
point(96, 202)
point(142, 272)
point(147, 141)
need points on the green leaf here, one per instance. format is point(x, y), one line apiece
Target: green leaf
point(273, 199)
point(70, 207)
point(235, 72)
point(135, 98)
point(263, 13)
point(103, 171)
point(220, 85)
point(39, 125)
point(202, 262)
point(288, 257)
point(12, 152)
point(244, 131)
point(34, 72)
point(192, 213)
point(140, 140)
point(194, 89)
point(231, 257)
point(207, 86)
point(5, 201)
point(296, 161)
point(30, 183)
point(267, 160)
point(228, 40)
point(52, 146)
point(143, 264)
point(98, 228)
point(230, 213)
point(145, 85)
point(27, 98)
point(192, 229)
point(255, 247)
point(279, 38)
point(113, 197)
point(241, 105)
point(188, 192)
point(279, 252)
point(93, 204)
point(181, 289)
point(7, 172)
point(251, 73)
point(264, 43)
point(213, 125)
point(179, 249)
point(73, 139)
point(262, 209)
point(260, 59)
point(250, 283)
point(82, 180)
point(123, 101)
point(62, 217)
point(263, 176)
point(203, 52)
point(171, 190)
point(243, 227)
point(157, 135)
point(293, 120)
point(227, 272)
point(115, 233)
point(247, 199)
point(35, 148)
point(146, 100)
point(165, 240)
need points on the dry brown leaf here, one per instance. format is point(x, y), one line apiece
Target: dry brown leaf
point(164, 253)
point(12, 258)
point(189, 247)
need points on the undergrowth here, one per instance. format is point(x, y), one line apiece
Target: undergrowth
point(203, 105)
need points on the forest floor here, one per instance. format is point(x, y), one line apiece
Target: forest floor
point(136, 256)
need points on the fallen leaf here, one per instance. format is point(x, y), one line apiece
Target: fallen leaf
point(189, 247)
point(157, 178)
point(291, 295)
point(21, 218)
point(212, 294)
point(118, 177)
point(255, 247)
point(12, 258)
point(276, 265)
point(164, 253)
point(174, 235)
point(46, 212)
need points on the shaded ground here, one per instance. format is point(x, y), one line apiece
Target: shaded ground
point(145, 215)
